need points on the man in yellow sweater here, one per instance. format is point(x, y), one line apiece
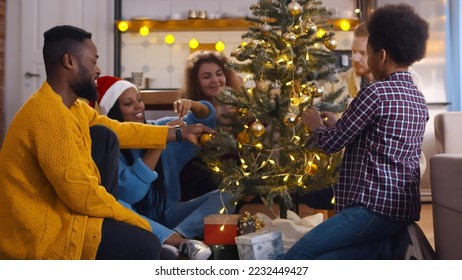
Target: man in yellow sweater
point(57, 190)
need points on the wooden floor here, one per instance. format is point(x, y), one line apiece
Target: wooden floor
point(426, 222)
point(426, 216)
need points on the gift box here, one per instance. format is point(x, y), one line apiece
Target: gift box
point(220, 229)
point(260, 245)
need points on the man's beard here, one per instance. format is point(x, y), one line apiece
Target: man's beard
point(85, 88)
point(87, 91)
point(361, 71)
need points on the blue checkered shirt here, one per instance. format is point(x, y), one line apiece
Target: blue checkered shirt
point(382, 132)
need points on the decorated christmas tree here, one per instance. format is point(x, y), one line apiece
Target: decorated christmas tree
point(287, 59)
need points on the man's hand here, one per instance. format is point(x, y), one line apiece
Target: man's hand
point(192, 132)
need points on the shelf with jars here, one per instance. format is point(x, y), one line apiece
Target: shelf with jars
point(221, 24)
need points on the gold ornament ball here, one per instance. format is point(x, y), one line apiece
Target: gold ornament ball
point(206, 137)
point(295, 28)
point(311, 169)
point(308, 27)
point(294, 8)
point(257, 129)
point(265, 29)
point(289, 37)
point(331, 44)
point(243, 137)
point(316, 90)
point(290, 119)
point(262, 86)
point(239, 54)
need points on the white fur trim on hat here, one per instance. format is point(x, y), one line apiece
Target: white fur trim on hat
point(112, 94)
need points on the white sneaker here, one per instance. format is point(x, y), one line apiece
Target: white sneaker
point(195, 249)
point(169, 252)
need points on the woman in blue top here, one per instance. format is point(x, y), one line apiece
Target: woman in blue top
point(149, 179)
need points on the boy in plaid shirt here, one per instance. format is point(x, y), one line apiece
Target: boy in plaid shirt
point(377, 195)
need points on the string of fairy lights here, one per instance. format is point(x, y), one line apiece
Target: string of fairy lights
point(169, 39)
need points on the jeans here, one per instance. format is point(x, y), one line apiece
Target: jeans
point(355, 233)
point(187, 217)
point(158, 229)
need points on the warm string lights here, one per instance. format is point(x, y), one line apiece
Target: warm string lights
point(169, 39)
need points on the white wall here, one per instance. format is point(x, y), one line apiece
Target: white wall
point(94, 16)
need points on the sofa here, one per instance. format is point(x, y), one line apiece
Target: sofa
point(448, 132)
point(446, 185)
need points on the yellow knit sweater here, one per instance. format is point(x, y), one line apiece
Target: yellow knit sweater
point(51, 203)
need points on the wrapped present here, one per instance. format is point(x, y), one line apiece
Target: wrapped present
point(248, 223)
point(260, 245)
point(293, 228)
point(220, 229)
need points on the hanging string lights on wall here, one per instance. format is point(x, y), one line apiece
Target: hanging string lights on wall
point(220, 46)
point(169, 39)
point(122, 26)
point(193, 43)
point(146, 26)
point(144, 31)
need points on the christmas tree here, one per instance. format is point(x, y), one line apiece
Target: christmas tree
point(265, 149)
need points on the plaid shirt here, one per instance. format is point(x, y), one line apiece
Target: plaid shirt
point(382, 132)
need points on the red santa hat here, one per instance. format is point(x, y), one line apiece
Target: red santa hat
point(109, 90)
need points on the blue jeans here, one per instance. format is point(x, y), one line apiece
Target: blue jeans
point(159, 230)
point(187, 217)
point(355, 233)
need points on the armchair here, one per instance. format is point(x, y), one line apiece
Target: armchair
point(446, 186)
point(448, 132)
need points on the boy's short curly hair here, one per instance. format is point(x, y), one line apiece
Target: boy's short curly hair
point(400, 31)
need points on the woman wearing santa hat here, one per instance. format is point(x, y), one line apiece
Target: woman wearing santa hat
point(149, 179)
